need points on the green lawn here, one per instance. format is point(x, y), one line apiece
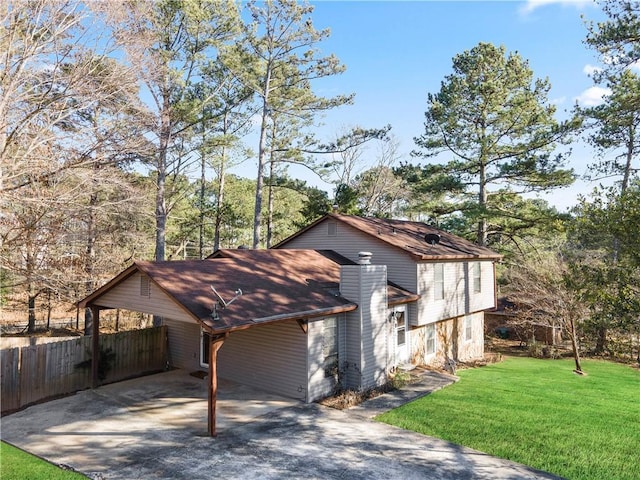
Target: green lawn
point(539, 413)
point(16, 464)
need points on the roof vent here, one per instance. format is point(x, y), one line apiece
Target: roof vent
point(364, 258)
point(432, 238)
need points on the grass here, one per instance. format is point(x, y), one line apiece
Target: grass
point(16, 464)
point(539, 413)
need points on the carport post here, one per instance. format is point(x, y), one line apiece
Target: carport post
point(215, 343)
point(95, 345)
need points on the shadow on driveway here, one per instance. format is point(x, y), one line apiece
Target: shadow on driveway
point(155, 427)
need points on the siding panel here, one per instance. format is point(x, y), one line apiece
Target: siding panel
point(367, 341)
point(184, 344)
point(127, 295)
point(348, 241)
point(269, 357)
point(320, 385)
point(460, 299)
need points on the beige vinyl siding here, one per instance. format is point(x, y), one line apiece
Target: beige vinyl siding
point(486, 298)
point(370, 358)
point(459, 296)
point(269, 357)
point(320, 385)
point(184, 344)
point(351, 362)
point(127, 296)
point(348, 241)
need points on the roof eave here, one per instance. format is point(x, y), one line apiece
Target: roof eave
point(303, 315)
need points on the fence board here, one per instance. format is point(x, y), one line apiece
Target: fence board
point(36, 372)
point(10, 378)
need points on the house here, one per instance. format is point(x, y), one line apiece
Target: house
point(454, 278)
point(342, 303)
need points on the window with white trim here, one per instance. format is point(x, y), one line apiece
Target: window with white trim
point(438, 281)
point(468, 328)
point(330, 346)
point(430, 339)
point(477, 277)
point(401, 327)
point(332, 229)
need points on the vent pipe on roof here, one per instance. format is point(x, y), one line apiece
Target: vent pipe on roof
point(364, 258)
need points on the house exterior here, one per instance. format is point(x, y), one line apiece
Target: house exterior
point(454, 278)
point(284, 333)
point(340, 304)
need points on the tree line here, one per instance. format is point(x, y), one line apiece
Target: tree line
point(119, 129)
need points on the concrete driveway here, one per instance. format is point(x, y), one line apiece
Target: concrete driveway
point(155, 427)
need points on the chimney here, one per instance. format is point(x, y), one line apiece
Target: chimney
point(364, 258)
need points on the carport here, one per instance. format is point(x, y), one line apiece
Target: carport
point(233, 291)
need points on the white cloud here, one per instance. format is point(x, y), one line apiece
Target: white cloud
point(591, 69)
point(531, 5)
point(593, 96)
point(558, 100)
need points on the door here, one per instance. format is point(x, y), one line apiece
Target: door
point(401, 335)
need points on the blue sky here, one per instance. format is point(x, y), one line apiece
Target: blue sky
point(397, 52)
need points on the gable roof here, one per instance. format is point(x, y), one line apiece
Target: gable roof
point(275, 284)
point(409, 237)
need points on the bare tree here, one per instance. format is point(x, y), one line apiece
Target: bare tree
point(541, 289)
point(63, 105)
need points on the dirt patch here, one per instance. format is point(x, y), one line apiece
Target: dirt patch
point(350, 398)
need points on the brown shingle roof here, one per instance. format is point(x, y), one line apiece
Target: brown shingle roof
point(410, 237)
point(276, 285)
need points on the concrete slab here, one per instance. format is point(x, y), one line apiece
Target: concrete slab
point(156, 428)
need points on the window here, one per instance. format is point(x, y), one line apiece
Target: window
point(401, 328)
point(332, 229)
point(330, 346)
point(468, 328)
point(204, 348)
point(438, 281)
point(430, 343)
point(145, 287)
point(477, 277)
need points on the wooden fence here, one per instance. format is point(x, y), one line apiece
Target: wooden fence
point(33, 373)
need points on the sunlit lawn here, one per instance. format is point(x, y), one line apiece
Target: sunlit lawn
point(539, 413)
point(16, 464)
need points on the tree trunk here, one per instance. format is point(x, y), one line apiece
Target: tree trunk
point(601, 340)
point(629, 158)
point(31, 305)
point(31, 294)
point(481, 237)
point(90, 259)
point(161, 205)
point(201, 202)
point(221, 180)
point(574, 345)
point(257, 212)
point(270, 199)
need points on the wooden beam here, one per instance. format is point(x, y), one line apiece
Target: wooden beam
point(215, 342)
point(95, 345)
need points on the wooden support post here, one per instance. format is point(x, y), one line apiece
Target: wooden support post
point(95, 346)
point(215, 342)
